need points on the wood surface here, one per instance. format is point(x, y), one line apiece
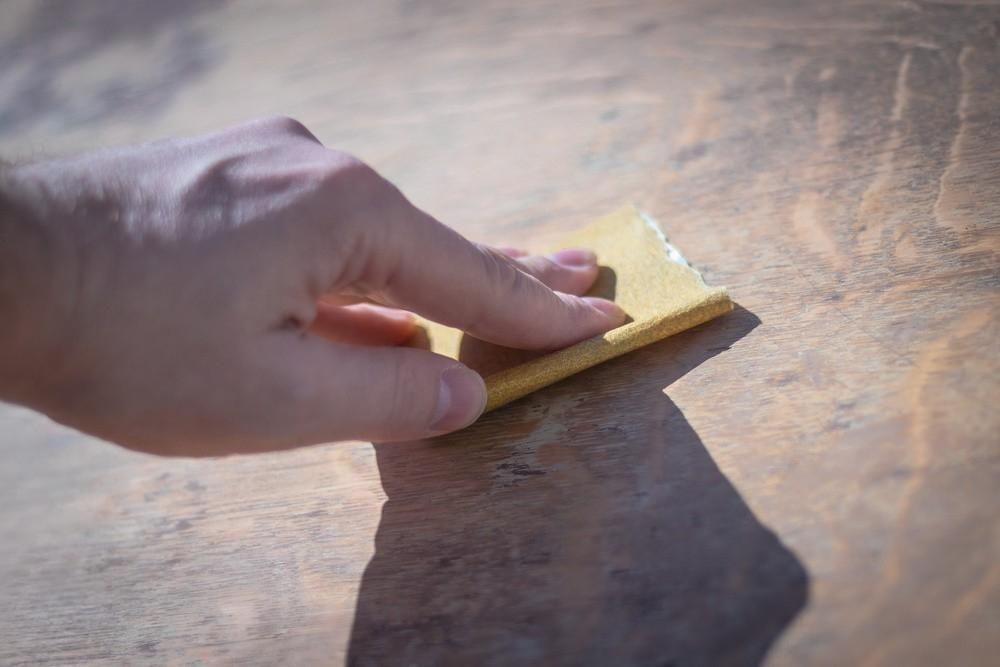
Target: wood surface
point(810, 480)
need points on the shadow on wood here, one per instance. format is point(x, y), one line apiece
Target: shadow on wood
point(557, 531)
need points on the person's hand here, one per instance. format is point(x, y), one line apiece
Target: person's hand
point(201, 297)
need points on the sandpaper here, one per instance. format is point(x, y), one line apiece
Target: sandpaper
point(640, 271)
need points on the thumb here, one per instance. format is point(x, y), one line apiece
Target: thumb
point(344, 392)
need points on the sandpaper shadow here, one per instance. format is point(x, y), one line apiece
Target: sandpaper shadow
point(583, 525)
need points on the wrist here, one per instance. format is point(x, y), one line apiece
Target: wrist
point(37, 260)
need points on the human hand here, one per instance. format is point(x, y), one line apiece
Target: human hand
point(201, 297)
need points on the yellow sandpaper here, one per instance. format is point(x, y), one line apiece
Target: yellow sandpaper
point(641, 272)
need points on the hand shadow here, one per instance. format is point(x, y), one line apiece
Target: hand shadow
point(583, 525)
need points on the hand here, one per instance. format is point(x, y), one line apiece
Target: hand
point(204, 297)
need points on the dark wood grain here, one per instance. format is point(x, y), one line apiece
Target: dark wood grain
point(812, 478)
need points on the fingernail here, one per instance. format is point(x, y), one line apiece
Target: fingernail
point(461, 399)
point(575, 258)
point(609, 308)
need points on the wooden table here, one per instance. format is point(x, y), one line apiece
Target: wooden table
point(813, 478)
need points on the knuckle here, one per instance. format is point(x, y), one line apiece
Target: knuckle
point(531, 290)
point(343, 168)
point(363, 194)
point(285, 125)
point(499, 269)
point(502, 279)
point(407, 403)
point(368, 190)
point(545, 270)
point(331, 168)
point(564, 279)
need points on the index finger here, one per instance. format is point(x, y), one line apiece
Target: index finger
point(410, 260)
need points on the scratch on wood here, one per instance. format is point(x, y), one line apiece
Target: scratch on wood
point(913, 6)
point(828, 120)
point(974, 598)
point(892, 351)
point(902, 93)
point(871, 211)
point(914, 43)
point(921, 383)
point(955, 152)
point(702, 123)
point(786, 25)
point(814, 232)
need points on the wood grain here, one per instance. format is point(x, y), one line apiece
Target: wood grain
point(811, 479)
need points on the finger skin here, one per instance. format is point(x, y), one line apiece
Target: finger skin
point(305, 391)
point(414, 262)
point(513, 253)
point(383, 394)
point(197, 274)
point(561, 277)
point(363, 324)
